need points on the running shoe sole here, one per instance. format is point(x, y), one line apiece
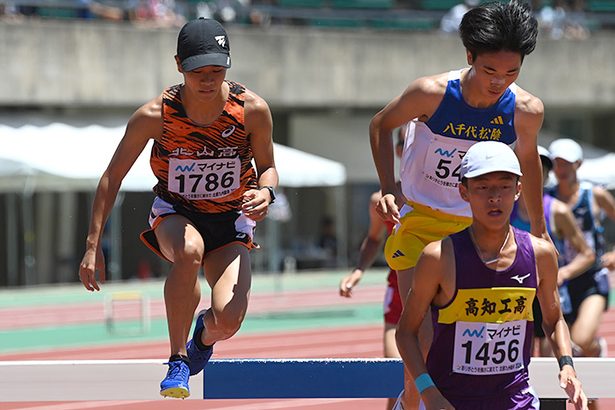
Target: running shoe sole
point(179, 392)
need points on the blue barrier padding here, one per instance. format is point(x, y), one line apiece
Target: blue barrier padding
point(302, 378)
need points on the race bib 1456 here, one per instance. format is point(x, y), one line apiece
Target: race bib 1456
point(489, 348)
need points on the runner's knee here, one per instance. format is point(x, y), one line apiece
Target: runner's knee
point(228, 324)
point(191, 253)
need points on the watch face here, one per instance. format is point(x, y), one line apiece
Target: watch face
point(271, 193)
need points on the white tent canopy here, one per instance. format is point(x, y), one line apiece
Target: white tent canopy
point(61, 157)
point(58, 157)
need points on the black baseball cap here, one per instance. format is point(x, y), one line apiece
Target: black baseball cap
point(203, 42)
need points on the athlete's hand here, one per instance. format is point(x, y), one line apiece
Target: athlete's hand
point(562, 276)
point(255, 204)
point(388, 208)
point(572, 386)
point(608, 260)
point(92, 265)
point(349, 282)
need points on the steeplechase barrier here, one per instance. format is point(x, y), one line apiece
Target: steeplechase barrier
point(115, 300)
point(77, 380)
point(303, 378)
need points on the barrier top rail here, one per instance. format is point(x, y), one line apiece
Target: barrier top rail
point(77, 380)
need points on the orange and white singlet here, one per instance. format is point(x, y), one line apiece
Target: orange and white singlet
point(203, 168)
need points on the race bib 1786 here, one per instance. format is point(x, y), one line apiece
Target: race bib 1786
point(204, 178)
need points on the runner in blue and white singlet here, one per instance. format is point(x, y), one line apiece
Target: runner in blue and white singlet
point(429, 170)
point(518, 222)
point(432, 155)
point(589, 292)
point(565, 233)
point(594, 281)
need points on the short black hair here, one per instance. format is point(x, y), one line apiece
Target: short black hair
point(496, 26)
point(546, 163)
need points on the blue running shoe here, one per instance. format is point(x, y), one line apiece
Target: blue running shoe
point(175, 384)
point(198, 358)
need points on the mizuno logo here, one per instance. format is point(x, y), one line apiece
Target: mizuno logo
point(444, 152)
point(240, 235)
point(497, 120)
point(397, 254)
point(221, 40)
point(474, 332)
point(520, 279)
point(185, 168)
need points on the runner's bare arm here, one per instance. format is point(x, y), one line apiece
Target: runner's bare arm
point(369, 248)
point(429, 274)
point(529, 115)
point(607, 204)
point(568, 230)
point(419, 100)
point(605, 201)
point(553, 324)
point(259, 126)
point(144, 124)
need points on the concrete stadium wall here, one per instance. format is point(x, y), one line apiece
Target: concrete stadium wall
point(323, 87)
point(89, 63)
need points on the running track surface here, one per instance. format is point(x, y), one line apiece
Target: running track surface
point(360, 341)
point(336, 342)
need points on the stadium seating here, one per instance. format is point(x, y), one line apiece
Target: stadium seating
point(303, 3)
point(439, 4)
point(601, 5)
point(363, 4)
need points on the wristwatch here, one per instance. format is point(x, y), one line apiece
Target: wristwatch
point(271, 193)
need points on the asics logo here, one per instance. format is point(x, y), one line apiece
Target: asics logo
point(229, 131)
point(520, 279)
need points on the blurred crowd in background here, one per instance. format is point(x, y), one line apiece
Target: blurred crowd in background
point(572, 19)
